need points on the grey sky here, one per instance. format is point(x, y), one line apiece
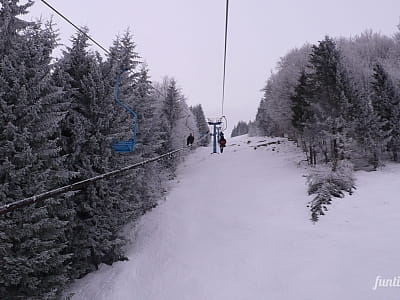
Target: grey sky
point(184, 38)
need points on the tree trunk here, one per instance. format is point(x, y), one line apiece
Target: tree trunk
point(315, 157)
point(375, 161)
point(335, 155)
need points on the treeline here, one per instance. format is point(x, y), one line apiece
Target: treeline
point(340, 100)
point(242, 128)
point(58, 122)
point(201, 125)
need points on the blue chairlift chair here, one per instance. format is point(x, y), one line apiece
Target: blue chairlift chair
point(129, 145)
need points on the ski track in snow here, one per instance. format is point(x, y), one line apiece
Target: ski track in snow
point(236, 226)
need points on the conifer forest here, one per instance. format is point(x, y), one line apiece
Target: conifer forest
point(58, 122)
point(337, 101)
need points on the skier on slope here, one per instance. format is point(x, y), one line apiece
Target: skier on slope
point(222, 142)
point(190, 140)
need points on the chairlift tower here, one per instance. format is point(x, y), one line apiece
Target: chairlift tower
point(216, 123)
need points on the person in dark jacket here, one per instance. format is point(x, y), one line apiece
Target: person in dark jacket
point(190, 140)
point(222, 142)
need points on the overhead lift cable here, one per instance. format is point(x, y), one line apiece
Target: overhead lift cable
point(79, 29)
point(80, 184)
point(222, 121)
point(226, 39)
point(88, 36)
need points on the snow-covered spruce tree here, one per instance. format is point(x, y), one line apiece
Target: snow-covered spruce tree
point(240, 129)
point(33, 260)
point(145, 106)
point(330, 99)
point(367, 130)
point(268, 113)
point(386, 104)
point(173, 123)
point(171, 108)
point(138, 93)
point(300, 106)
point(253, 131)
point(161, 130)
point(170, 112)
point(149, 182)
point(85, 142)
point(303, 119)
point(140, 189)
point(123, 63)
point(201, 123)
point(263, 121)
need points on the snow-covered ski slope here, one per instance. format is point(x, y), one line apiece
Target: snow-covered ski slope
point(236, 226)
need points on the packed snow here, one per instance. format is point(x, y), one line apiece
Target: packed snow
point(236, 226)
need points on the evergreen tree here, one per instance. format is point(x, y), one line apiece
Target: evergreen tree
point(148, 180)
point(145, 106)
point(323, 66)
point(303, 118)
point(201, 123)
point(171, 104)
point(329, 99)
point(386, 104)
point(33, 260)
point(300, 105)
point(122, 64)
point(368, 131)
point(85, 132)
point(262, 119)
point(253, 131)
point(240, 129)
point(171, 110)
point(137, 92)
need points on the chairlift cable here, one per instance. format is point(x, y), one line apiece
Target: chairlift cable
point(88, 36)
point(81, 184)
point(79, 29)
point(226, 39)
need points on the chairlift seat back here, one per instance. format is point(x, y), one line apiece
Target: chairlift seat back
point(124, 146)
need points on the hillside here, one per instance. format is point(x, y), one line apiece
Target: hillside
point(236, 226)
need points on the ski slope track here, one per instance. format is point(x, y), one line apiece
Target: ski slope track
point(236, 226)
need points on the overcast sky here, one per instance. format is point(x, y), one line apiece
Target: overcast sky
point(185, 38)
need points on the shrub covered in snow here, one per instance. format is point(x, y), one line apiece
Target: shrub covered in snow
point(326, 183)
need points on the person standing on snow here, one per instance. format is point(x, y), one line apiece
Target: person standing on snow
point(190, 140)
